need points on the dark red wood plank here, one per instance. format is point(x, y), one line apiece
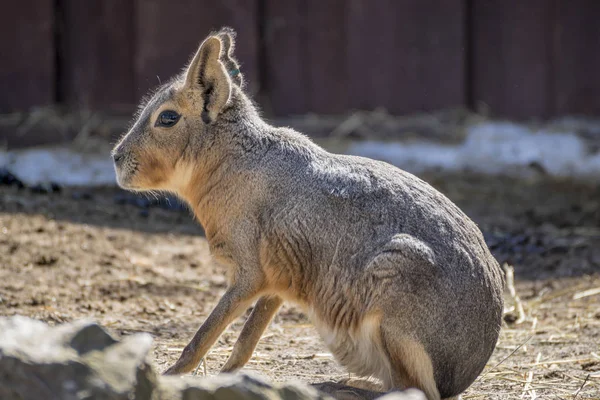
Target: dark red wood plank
point(169, 32)
point(442, 55)
point(577, 57)
point(286, 82)
point(406, 56)
point(306, 67)
point(371, 54)
point(325, 63)
point(512, 57)
point(97, 54)
point(27, 49)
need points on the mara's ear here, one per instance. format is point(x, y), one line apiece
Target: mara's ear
point(227, 36)
point(207, 73)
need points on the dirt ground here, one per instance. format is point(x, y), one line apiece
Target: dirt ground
point(135, 266)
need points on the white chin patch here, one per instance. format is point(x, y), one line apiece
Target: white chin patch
point(122, 179)
point(180, 178)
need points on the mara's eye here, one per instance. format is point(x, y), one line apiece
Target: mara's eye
point(167, 118)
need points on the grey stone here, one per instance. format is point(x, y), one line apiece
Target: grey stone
point(409, 394)
point(235, 386)
point(82, 361)
point(91, 337)
point(71, 361)
point(342, 391)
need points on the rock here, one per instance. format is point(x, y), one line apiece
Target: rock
point(341, 391)
point(72, 361)
point(410, 394)
point(8, 178)
point(234, 386)
point(82, 361)
point(46, 188)
point(91, 337)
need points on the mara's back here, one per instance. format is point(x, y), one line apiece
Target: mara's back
point(331, 215)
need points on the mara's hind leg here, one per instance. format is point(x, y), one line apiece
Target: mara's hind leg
point(411, 366)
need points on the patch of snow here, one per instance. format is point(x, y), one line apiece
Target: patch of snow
point(61, 165)
point(492, 148)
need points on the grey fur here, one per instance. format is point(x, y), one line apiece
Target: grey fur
point(345, 237)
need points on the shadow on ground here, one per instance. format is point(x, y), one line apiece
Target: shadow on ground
point(544, 227)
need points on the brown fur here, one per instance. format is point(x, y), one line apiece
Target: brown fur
point(397, 280)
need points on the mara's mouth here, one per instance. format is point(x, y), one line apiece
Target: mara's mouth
point(125, 178)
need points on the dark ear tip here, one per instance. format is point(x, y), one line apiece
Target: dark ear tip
point(206, 117)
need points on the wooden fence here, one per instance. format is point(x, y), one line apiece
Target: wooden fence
point(520, 59)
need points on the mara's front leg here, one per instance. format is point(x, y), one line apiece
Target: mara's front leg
point(234, 302)
point(257, 322)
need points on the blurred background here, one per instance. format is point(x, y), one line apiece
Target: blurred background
point(534, 60)
point(496, 103)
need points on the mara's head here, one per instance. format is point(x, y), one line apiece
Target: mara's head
point(179, 119)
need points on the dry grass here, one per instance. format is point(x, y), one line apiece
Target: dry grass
point(544, 350)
